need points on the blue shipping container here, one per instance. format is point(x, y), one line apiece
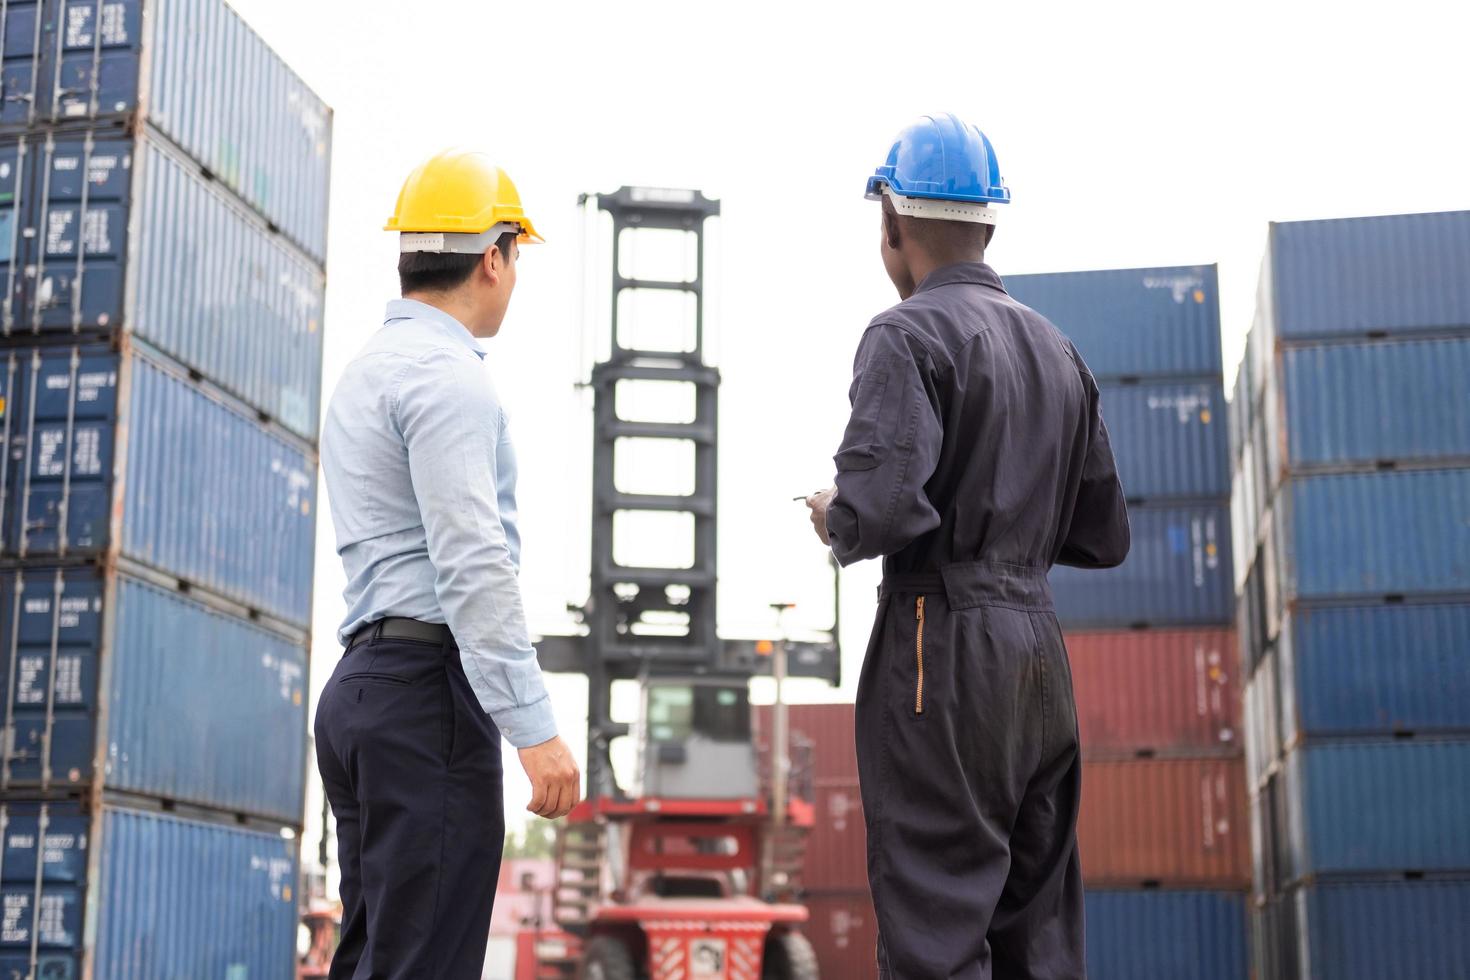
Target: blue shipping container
point(1375, 534)
point(200, 707)
point(1364, 403)
point(1398, 930)
point(1178, 573)
point(1354, 277)
point(124, 234)
point(173, 897)
point(1356, 808)
point(209, 495)
point(1133, 322)
point(1362, 670)
point(1169, 439)
point(212, 86)
point(1141, 935)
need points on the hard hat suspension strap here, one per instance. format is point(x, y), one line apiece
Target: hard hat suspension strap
point(919, 207)
point(455, 242)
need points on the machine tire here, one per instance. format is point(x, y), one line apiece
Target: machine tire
point(606, 958)
point(789, 956)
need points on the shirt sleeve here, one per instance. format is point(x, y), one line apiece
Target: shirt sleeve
point(1099, 536)
point(450, 422)
point(889, 451)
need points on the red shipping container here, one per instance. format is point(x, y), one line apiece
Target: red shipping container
point(837, 848)
point(827, 728)
point(1164, 692)
point(1170, 821)
point(844, 932)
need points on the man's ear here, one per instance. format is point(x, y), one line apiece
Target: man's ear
point(492, 263)
point(891, 233)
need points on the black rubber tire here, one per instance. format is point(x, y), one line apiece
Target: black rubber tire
point(789, 956)
point(606, 958)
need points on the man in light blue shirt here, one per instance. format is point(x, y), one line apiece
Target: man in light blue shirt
point(438, 663)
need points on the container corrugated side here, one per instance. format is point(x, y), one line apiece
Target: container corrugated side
point(1389, 274)
point(1170, 692)
point(1405, 930)
point(1178, 573)
point(124, 234)
point(201, 708)
point(1376, 807)
point(1366, 403)
point(1375, 534)
point(214, 88)
point(209, 495)
point(1178, 935)
point(837, 846)
point(1169, 439)
point(174, 897)
point(843, 929)
point(1133, 322)
point(1361, 670)
point(825, 731)
point(1167, 821)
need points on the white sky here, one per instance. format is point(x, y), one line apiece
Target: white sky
point(1134, 133)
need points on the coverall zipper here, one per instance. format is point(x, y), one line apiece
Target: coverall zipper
point(919, 656)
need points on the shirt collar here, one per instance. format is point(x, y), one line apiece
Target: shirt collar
point(412, 309)
point(973, 272)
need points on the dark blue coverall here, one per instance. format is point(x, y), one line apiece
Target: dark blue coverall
point(975, 459)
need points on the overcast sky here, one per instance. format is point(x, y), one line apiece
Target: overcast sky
point(1130, 134)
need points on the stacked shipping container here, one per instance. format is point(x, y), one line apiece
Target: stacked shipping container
point(1163, 830)
point(163, 191)
point(834, 876)
point(1352, 516)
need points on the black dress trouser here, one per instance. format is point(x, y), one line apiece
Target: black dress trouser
point(971, 779)
point(412, 768)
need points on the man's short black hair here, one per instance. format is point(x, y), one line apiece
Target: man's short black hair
point(437, 272)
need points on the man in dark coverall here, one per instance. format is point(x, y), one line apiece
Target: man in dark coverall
point(975, 459)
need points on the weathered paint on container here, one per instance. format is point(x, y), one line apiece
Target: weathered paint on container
point(208, 494)
point(822, 732)
point(1351, 277)
point(1366, 403)
point(200, 707)
point(201, 76)
point(1366, 930)
point(167, 897)
point(118, 234)
point(1376, 534)
point(1138, 323)
point(1166, 692)
point(1178, 573)
point(843, 930)
point(1362, 670)
point(1166, 821)
point(1169, 439)
point(1356, 808)
point(1178, 935)
point(837, 847)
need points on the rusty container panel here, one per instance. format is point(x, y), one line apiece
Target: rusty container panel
point(843, 930)
point(1165, 821)
point(1161, 692)
point(821, 739)
point(837, 848)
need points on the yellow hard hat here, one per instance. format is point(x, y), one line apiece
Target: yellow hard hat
point(458, 201)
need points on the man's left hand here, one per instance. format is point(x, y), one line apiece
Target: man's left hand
point(819, 502)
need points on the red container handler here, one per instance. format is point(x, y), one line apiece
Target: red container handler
point(1172, 822)
point(1156, 692)
point(843, 930)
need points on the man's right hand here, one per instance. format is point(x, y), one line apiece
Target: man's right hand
point(556, 782)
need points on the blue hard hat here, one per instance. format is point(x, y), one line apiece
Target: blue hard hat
point(942, 158)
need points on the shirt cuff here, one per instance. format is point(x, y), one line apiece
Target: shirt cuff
point(527, 725)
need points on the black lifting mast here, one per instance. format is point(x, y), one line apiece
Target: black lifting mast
point(650, 622)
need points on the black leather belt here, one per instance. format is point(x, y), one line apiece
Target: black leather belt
point(401, 629)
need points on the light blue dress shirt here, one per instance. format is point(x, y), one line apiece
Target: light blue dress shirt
point(422, 480)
